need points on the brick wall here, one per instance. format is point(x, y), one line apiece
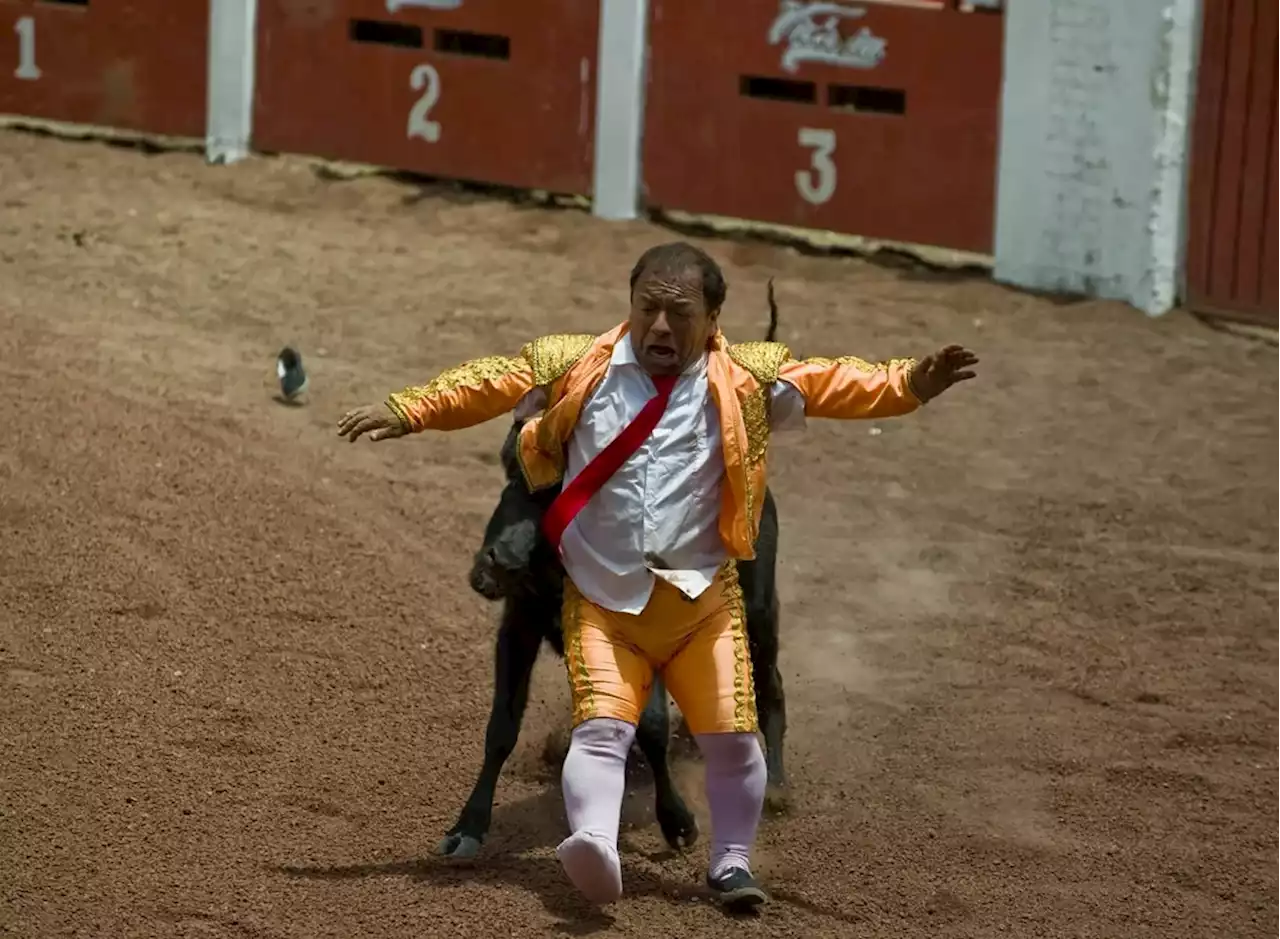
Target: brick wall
point(1093, 147)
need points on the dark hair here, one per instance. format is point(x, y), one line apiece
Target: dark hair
point(679, 256)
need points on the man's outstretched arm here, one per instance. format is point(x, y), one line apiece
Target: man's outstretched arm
point(850, 388)
point(472, 393)
point(469, 394)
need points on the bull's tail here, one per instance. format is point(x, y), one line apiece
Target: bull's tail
point(772, 334)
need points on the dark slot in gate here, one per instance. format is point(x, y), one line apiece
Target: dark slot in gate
point(777, 89)
point(478, 45)
point(383, 33)
point(864, 99)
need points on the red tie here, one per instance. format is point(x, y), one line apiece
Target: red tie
point(574, 497)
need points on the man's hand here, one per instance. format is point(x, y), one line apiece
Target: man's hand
point(935, 373)
point(376, 420)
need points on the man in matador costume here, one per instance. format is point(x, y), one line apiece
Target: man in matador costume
point(659, 432)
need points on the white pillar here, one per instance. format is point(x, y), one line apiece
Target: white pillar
point(1094, 147)
point(620, 78)
point(232, 46)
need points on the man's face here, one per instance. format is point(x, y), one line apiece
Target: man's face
point(670, 322)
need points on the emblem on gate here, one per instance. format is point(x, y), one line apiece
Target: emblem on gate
point(811, 32)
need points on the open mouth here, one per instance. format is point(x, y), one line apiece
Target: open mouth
point(662, 355)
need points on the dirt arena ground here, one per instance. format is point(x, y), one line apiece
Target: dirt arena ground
point(1030, 634)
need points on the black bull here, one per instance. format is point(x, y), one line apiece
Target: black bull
point(517, 565)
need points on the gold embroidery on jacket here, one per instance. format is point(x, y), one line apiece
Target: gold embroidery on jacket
point(471, 374)
point(762, 359)
point(581, 691)
point(861, 365)
point(755, 415)
point(401, 414)
point(552, 356)
point(745, 719)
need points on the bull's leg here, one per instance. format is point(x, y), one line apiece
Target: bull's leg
point(771, 702)
point(653, 736)
point(760, 594)
point(514, 656)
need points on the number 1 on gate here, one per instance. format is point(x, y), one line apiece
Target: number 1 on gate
point(27, 69)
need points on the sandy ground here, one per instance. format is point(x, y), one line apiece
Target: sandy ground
point(1029, 633)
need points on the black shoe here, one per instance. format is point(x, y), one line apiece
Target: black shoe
point(737, 890)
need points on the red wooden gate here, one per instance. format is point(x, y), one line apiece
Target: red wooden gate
point(136, 65)
point(1231, 243)
point(494, 92)
point(868, 117)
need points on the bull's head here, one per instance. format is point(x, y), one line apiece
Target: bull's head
point(513, 552)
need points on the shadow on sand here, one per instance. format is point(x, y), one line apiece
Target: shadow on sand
point(518, 855)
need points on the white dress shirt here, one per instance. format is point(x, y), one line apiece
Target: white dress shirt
point(659, 514)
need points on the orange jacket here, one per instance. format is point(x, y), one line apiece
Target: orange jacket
point(740, 378)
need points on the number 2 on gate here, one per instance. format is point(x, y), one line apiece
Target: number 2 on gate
point(27, 69)
point(817, 184)
point(426, 79)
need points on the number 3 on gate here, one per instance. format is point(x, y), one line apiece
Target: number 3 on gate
point(817, 184)
point(426, 79)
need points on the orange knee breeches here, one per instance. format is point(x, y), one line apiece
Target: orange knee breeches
point(699, 647)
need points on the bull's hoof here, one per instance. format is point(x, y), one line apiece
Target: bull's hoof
point(458, 847)
point(679, 828)
point(777, 800)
